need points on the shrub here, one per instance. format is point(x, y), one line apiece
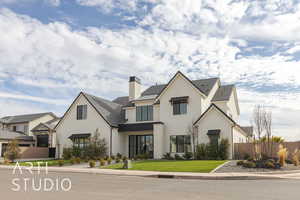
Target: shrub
point(201, 152)
point(249, 164)
point(246, 156)
point(269, 165)
point(73, 161)
point(13, 151)
point(124, 158)
point(92, 163)
point(282, 154)
point(60, 163)
point(102, 162)
point(178, 157)
point(212, 151)
point(97, 147)
point(188, 155)
point(106, 157)
point(118, 160)
point(119, 155)
point(76, 152)
point(67, 153)
point(143, 156)
point(168, 156)
point(289, 161)
point(240, 163)
point(223, 149)
point(113, 157)
point(77, 160)
point(109, 161)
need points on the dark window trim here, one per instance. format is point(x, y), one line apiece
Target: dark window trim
point(141, 116)
point(81, 113)
point(178, 109)
point(186, 143)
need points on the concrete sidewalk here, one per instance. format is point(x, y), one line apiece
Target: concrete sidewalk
point(180, 175)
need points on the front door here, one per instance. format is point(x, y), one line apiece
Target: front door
point(140, 145)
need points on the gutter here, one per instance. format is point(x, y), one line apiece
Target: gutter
point(110, 146)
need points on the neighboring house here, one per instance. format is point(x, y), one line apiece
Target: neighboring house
point(24, 128)
point(158, 120)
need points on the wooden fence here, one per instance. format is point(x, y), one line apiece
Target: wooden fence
point(34, 152)
point(242, 149)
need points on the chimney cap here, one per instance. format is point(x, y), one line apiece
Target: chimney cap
point(134, 79)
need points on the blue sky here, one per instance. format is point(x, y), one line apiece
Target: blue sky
point(53, 49)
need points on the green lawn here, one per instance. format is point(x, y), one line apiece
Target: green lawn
point(203, 166)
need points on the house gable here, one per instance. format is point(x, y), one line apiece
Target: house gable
point(173, 79)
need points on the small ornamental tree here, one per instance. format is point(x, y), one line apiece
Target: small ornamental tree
point(13, 151)
point(97, 147)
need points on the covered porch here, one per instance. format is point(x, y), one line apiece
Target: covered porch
point(142, 139)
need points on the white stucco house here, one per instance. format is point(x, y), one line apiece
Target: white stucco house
point(157, 120)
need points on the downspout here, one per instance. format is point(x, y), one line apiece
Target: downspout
point(232, 149)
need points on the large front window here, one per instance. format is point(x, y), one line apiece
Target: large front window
point(81, 112)
point(180, 143)
point(144, 113)
point(140, 145)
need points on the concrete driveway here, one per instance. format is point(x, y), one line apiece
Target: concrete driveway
point(110, 187)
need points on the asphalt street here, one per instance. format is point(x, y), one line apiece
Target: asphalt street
point(111, 187)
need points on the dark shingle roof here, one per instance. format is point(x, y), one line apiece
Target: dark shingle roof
point(122, 100)
point(204, 85)
point(109, 110)
point(223, 93)
point(24, 118)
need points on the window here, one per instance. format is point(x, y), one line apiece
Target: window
point(180, 143)
point(179, 108)
point(81, 112)
point(14, 128)
point(81, 142)
point(214, 140)
point(144, 113)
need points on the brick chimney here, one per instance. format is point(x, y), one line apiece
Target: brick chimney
point(134, 88)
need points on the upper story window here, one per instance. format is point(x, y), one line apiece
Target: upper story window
point(144, 113)
point(81, 112)
point(179, 105)
point(14, 128)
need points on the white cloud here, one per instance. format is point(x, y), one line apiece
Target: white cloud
point(54, 2)
point(99, 60)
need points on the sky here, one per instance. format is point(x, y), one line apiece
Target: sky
point(50, 50)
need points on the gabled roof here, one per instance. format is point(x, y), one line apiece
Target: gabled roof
point(223, 93)
point(222, 112)
point(219, 109)
point(203, 85)
point(108, 110)
point(24, 118)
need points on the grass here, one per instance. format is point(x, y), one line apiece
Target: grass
point(202, 166)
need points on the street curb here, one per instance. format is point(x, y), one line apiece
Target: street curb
point(150, 174)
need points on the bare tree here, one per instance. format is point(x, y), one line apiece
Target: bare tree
point(267, 126)
point(193, 132)
point(258, 118)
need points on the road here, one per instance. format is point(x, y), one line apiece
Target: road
point(95, 186)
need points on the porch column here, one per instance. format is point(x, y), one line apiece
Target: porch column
point(158, 135)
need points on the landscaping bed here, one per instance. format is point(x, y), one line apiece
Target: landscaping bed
point(233, 167)
point(202, 166)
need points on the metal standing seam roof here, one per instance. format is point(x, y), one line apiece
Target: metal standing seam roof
point(23, 118)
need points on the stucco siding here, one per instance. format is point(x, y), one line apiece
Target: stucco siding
point(215, 120)
point(179, 124)
point(36, 122)
point(70, 125)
